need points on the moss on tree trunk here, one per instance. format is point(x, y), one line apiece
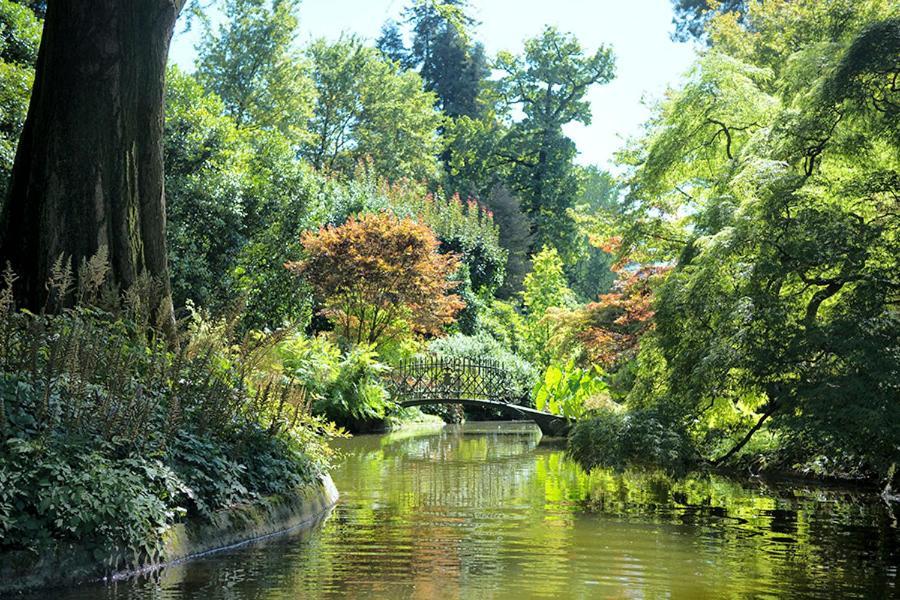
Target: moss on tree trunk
point(89, 168)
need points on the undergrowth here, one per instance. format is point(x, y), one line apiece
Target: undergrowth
point(112, 432)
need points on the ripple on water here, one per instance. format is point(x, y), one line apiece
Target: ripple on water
point(489, 513)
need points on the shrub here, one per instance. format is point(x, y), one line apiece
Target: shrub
point(111, 434)
point(502, 322)
point(344, 388)
point(356, 399)
point(54, 491)
point(619, 439)
point(379, 275)
point(568, 391)
point(315, 362)
point(545, 288)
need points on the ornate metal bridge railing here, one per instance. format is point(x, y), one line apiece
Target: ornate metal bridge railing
point(437, 379)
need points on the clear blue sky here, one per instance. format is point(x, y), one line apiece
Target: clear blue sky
point(638, 31)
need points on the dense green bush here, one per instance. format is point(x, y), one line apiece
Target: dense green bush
point(503, 322)
point(356, 399)
point(111, 434)
point(344, 388)
point(207, 200)
point(619, 439)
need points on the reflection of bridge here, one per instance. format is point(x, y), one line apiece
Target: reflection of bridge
point(472, 382)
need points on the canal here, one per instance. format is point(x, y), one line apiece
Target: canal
point(487, 511)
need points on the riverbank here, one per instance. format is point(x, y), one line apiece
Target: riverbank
point(110, 436)
point(640, 439)
point(73, 564)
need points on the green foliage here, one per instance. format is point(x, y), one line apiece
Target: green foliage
point(768, 181)
point(20, 34)
point(391, 46)
point(545, 288)
point(312, 361)
point(590, 272)
point(240, 195)
point(111, 435)
point(472, 165)
point(620, 439)
point(250, 63)
point(237, 201)
point(502, 321)
point(515, 237)
point(548, 84)
point(57, 491)
point(297, 202)
point(207, 187)
point(449, 62)
point(569, 390)
point(344, 388)
point(367, 109)
point(355, 399)
point(691, 16)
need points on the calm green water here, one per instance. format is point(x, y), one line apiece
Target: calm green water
point(488, 512)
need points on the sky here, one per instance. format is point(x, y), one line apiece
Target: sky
point(647, 60)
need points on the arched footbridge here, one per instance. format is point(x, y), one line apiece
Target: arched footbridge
point(470, 382)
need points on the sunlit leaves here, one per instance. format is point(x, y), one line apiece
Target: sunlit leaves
point(569, 390)
point(548, 84)
point(770, 182)
point(20, 33)
point(379, 275)
point(250, 62)
point(366, 108)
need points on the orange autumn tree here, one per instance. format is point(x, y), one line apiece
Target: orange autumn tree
point(609, 330)
point(613, 326)
point(379, 276)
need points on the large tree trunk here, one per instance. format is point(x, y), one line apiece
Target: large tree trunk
point(89, 169)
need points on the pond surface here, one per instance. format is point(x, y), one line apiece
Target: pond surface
point(485, 511)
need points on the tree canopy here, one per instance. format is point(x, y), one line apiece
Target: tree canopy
point(548, 84)
point(769, 181)
point(379, 275)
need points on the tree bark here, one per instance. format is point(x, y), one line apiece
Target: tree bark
point(89, 167)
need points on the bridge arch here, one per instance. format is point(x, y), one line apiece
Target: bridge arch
point(481, 381)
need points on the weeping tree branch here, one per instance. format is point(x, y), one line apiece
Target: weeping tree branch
point(770, 409)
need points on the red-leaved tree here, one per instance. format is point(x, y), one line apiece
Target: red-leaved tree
point(610, 329)
point(379, 276)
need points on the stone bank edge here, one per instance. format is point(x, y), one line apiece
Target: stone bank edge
point(72, 563)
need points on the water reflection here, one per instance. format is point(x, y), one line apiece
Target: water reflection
point(488, 512)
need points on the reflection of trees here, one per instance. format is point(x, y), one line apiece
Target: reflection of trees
point(446, 471)
point(450, 515)
point(455, 506)
point(765, 533)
